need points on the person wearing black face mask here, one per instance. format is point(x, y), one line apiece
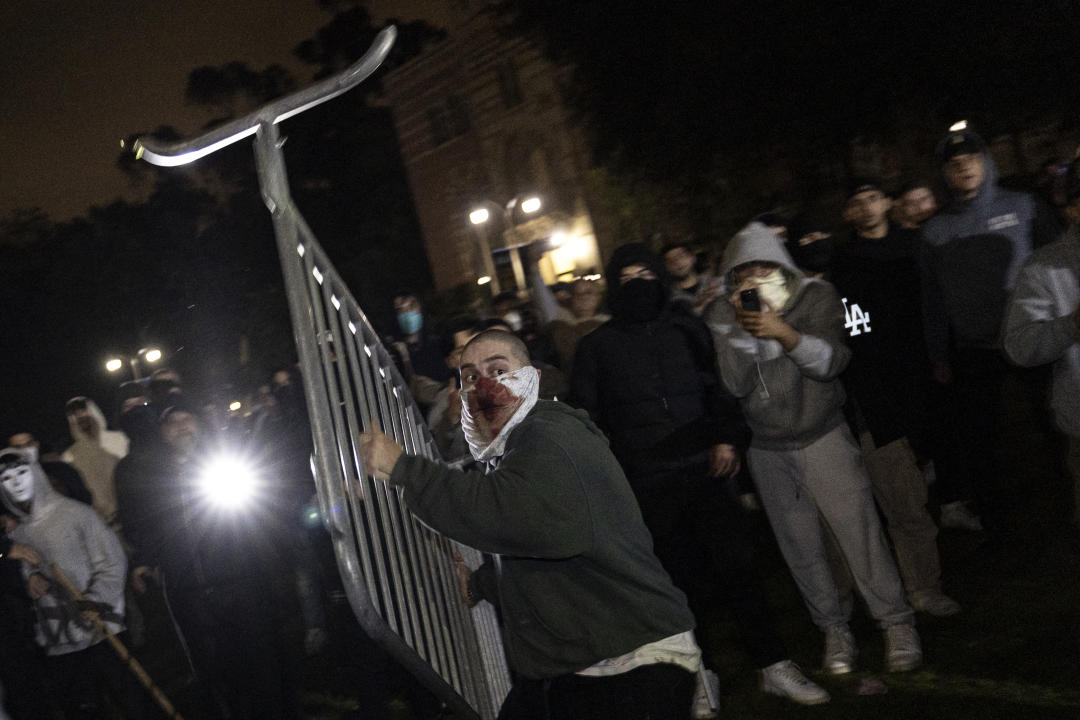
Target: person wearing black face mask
point(138, 420)
point(648, 379)
point(164, 387)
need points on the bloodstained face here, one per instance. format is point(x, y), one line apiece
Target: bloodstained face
point(490, 403)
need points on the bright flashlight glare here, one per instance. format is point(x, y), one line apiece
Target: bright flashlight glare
point(484, 280)
point(152, 355)
point(478, 217)
point(235, 405)
point(228, 482)
point(530, 205)
point(958, 126)
point(114, 365)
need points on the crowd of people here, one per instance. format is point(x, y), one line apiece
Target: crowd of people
point(826, 376)
point(164, 502)
point(605, 449)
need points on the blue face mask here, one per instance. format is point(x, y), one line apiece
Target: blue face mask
point(410, 322)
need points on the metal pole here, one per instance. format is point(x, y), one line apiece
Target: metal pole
point(485, 251)
point(134, 665)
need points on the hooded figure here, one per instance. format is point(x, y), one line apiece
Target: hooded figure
point(95, 452)
point(783, 363)
point(1042, 324)
point(758, 371)
point(971, 254)
point(973, 249)
point(648, 379)
point(71, 535)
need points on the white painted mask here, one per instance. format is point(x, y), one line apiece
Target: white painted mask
point(18, 482)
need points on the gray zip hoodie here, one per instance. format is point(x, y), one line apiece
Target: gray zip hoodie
point(71, 535)
point(1039, 327)
point(790, 399)
point(971, 253)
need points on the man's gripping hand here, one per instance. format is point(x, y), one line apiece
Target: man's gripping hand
point(379, 453)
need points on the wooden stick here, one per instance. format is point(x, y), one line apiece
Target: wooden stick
point(134, 665)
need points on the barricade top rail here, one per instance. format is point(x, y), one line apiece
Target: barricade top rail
point(186, 151)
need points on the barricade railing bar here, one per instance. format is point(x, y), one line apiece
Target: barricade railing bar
point(399, 575)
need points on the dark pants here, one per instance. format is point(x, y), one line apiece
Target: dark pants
point(703, 540)
point(233, 638)
point(651, 692)
point(979, 377)
point(80, 678)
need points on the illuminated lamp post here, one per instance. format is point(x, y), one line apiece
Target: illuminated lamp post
point(148, 355)
point(479, 216)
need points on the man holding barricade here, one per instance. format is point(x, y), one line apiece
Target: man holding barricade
point(593, 626)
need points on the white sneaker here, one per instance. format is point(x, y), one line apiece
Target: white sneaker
point(787, 680)
point(903, 651)
point(706, 697)
point(934, 602)
point(958, 516)
point(840, 650)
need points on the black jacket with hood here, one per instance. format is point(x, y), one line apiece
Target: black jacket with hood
point(650, 383)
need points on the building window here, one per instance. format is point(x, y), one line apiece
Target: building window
point(509, 86)
point(449, 119)
point(440, 131)
point(458, 112)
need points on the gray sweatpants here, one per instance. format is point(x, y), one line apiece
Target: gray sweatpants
point(827, 481)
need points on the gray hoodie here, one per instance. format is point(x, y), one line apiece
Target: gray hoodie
point(790, 399)
point(95, 457)
point(71, 535)
point(1039, 327)
point(971, 253)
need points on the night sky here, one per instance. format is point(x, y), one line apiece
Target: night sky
point(77, 77)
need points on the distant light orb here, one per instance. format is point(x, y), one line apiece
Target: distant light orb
point(478, 216)
point(530, 205)
point(483, 280)
point(235, 405)
point(958, 126)
point(152, 355)
point(114, 364)
point(228, 482)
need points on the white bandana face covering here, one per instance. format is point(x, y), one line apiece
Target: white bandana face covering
point(494, 407)
point(18, 483)
point(773, 289)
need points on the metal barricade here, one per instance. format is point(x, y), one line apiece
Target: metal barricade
point(399, 575)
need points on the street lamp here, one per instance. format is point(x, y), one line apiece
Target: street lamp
point(529, 205)
point(150, 355)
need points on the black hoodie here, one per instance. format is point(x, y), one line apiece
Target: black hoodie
point(651, 384)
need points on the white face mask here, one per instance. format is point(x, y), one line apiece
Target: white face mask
point(18, 483)
point(773, 289)
point(486, 431)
